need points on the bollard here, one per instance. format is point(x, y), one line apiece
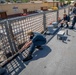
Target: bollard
point(67, 32)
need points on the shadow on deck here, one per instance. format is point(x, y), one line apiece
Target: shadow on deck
point(17, 65)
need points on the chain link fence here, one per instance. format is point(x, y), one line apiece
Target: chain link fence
point(51, 17)
point(13, 32)
point(6, 47)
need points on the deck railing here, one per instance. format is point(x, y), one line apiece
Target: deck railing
point(13, 32)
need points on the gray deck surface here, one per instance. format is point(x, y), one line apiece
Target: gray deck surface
point(56, 58)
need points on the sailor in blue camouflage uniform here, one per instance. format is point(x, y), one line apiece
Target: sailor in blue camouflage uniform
point(74, 19)
point(36, 41)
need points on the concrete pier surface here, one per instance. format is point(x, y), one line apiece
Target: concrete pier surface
point(56, 58)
